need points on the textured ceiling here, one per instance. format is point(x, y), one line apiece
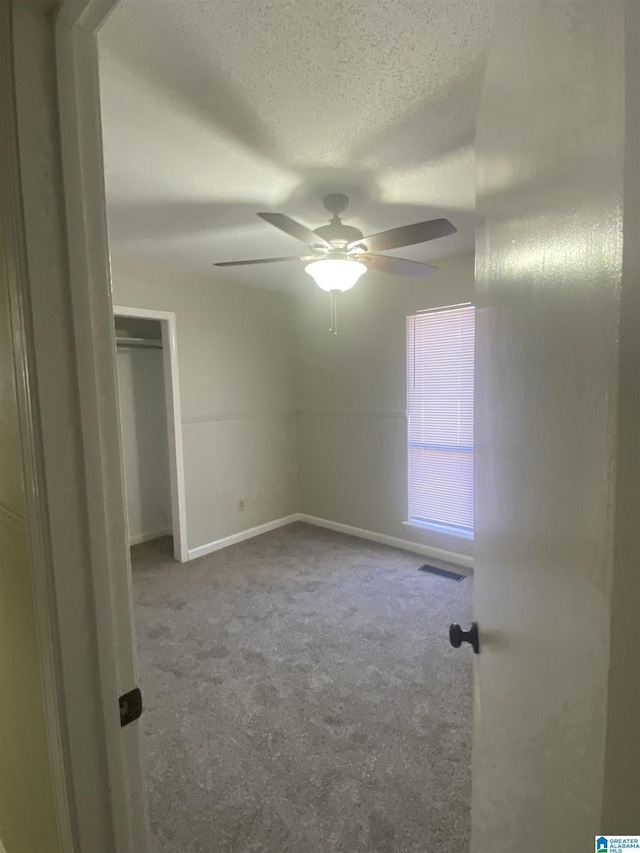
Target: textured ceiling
point(215, 110)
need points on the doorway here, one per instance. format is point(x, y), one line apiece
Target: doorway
point(509, 634)
point(151, 426)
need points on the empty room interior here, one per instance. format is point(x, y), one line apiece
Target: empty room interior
point(319, 405)
point(297, 442)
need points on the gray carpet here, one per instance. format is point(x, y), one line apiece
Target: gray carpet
point(301, 696)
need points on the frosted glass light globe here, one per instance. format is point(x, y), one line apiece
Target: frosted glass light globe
point(335, 274)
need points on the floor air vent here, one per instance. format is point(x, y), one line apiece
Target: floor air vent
point(441, 573)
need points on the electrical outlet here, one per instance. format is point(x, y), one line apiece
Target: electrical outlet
point(240, 506)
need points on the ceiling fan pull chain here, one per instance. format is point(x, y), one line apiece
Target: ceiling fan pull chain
point(333, 325)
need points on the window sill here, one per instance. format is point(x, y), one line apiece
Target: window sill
point(437, 530)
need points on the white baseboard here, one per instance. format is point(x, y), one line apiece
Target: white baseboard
point(463, 561)
point(139, 538)
point(210, 547)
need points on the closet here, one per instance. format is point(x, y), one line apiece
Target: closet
point(143, 424)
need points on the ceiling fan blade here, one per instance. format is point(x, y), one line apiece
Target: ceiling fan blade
point(295, 229)
point(396, 266)
point(406, 235)
point(263, 261)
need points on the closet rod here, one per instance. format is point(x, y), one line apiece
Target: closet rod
point(147, 343)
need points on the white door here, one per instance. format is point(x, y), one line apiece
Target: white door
point(550, 159)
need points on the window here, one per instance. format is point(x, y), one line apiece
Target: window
point(441, 361)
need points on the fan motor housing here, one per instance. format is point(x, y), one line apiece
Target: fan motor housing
point(338, 234)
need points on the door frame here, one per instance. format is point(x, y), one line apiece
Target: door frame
point(89, 280)
point(174, 420)
point(76, 514)
point(31, 528)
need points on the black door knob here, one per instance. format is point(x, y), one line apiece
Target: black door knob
point(457, 637)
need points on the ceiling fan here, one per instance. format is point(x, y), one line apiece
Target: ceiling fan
point(341, 253)
point(341, 242)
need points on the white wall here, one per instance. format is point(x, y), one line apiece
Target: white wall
point(352, 398)
point(145, 442)
point(281, 414)
point(236, 358)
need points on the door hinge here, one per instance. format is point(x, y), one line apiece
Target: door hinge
point(130, 706)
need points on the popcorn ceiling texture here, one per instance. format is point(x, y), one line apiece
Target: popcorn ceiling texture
point(214, 110)
point(301, 696)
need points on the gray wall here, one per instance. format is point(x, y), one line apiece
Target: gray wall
point(352, 398)
point(235, 348)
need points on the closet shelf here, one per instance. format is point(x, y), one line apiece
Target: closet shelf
point(148, 343)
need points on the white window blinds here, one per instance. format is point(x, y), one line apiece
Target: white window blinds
point(441, 362)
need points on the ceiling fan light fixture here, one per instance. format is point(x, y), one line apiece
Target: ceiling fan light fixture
point(335, 273)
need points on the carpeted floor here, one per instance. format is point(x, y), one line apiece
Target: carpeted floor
point(301, 696)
